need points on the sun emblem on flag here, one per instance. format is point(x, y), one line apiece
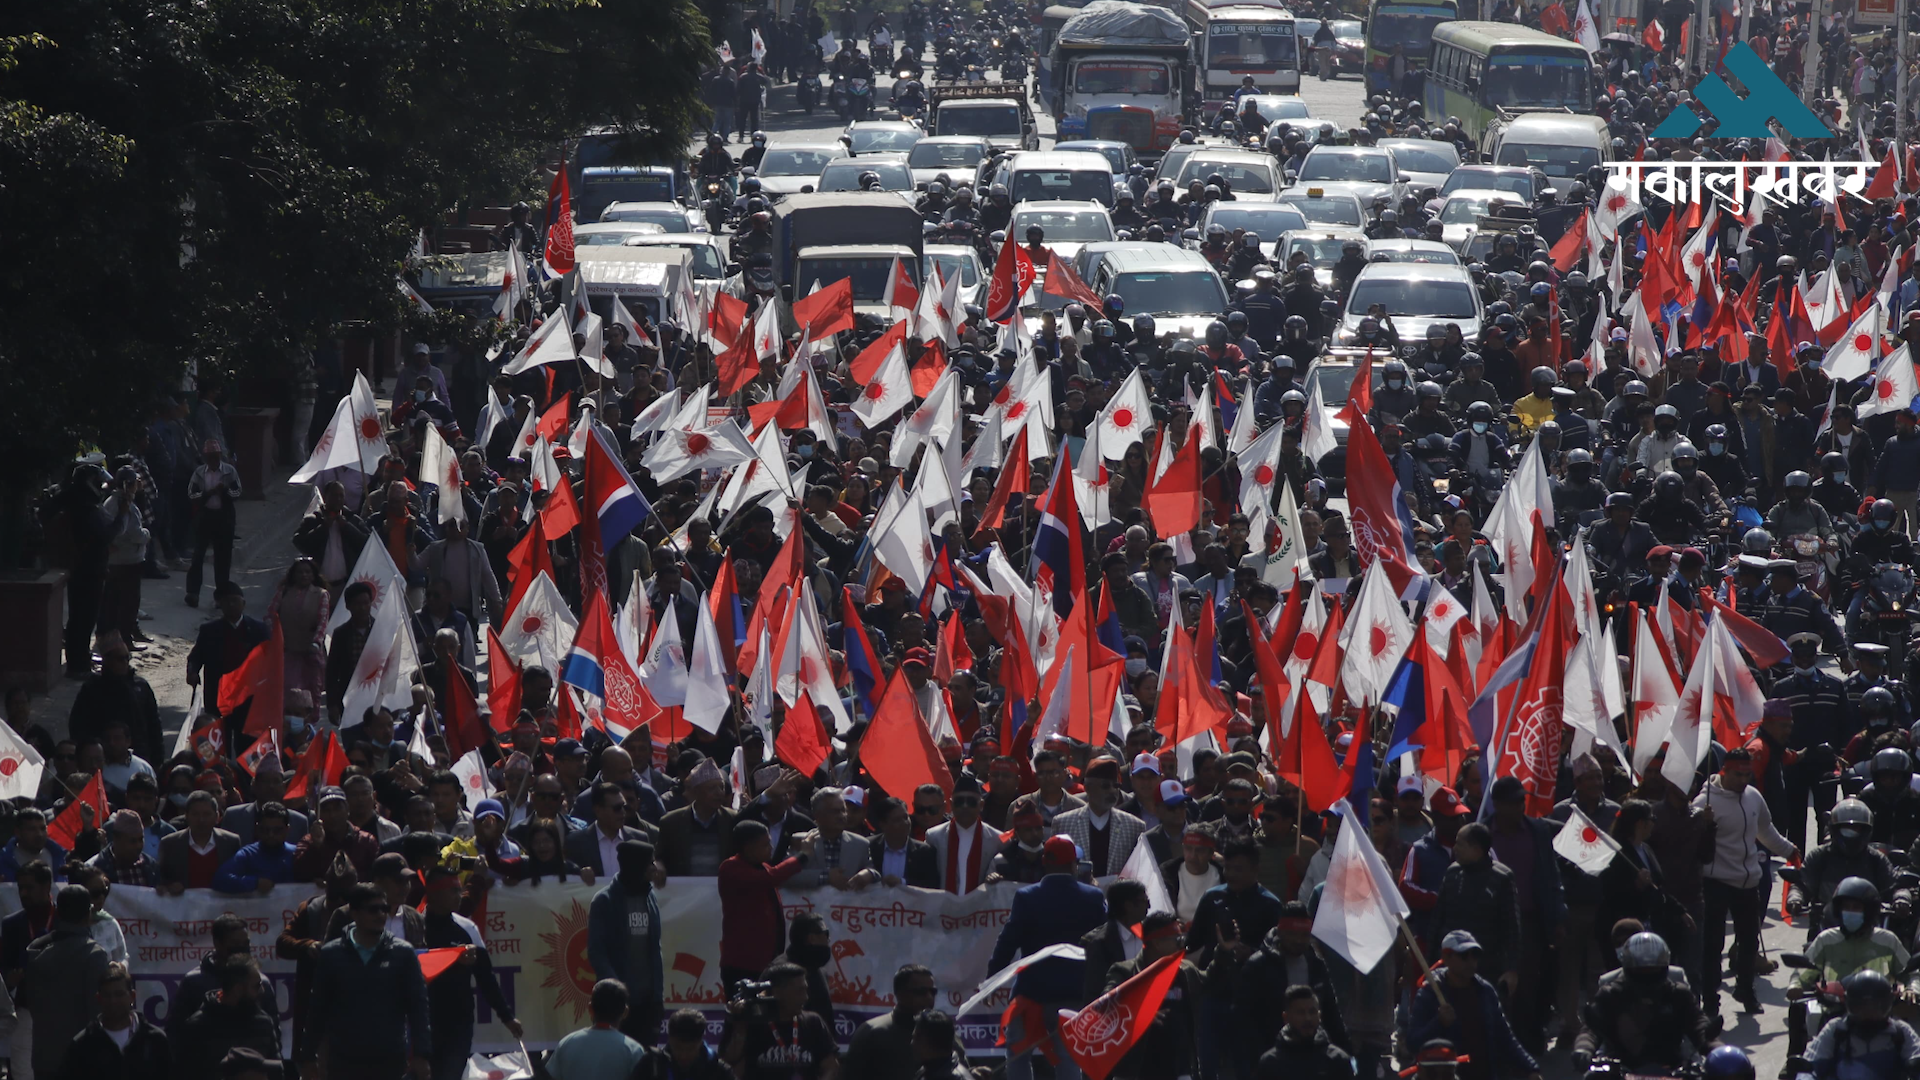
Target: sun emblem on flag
point(698, 443)
point(369, 428)
point(568, 973)
point(1123, 418)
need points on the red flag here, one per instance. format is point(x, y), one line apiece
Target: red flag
point(560, 226)
point(526, 561)
point(1529, 744)
point(1012, 277)
point(1359, 392)
point(868, 362)
point(503, 684)
point(1655, 36)
point(1571, 244)
point(901, 292)
point(553, 423)
point(65, 828)
point(323, 756)
point(435, 962)
point(926, 370)
point(826, 311)
point(1274, 686)
point(727, 319)
point(738, 366)
point(778, 584)
point(1188, 705)
point(209, 740)
point(1374, 509)
point(562, 511)
point(1013, 480)
point(687, 963)
point(954, 655)
point(1173, 501)
point(262, 678)
point(1098, 1036)
point(1761, 643)
point(898, 751)
point(1062, 281)
point(1553, 19)
point(802, 742)
point(460, 716)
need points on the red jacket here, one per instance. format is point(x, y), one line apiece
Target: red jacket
point(751, 926)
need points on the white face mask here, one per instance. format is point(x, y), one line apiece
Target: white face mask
point(419, 395)
point(1840, 477)
point(1810, 669)
point(1135, 667)
point(1479, 427)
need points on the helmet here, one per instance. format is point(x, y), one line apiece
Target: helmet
point(1480, 412)
point(1670, 485)
point(1186, 136)
point(1548, 433)
point(1428, 389)
point(1540, 291)
point(935, 187)
point(1869, 994)
point(1035, 234)
point(963, 195)
point(1114, 302)
point(1797, 479)
point(997, 191)
point(1351, 245)
point(1716, 433)
point(869, 179)
point(1852, 812)
point(1216, 231)
point(1832, 461)
point(759, 138)
point(1892, 760)
point(1646, 950)
point(1293, 397)
point(1102, 329)
point(1393, 369)
point(1217, 180)
point(1216, 334)
point(1577, 280)
point(1666, 412)
point(1882, 513)
point(756, 203)
point(1619, 500)
point(1578, 456)
point(1877, 703)
point(1471, 358)
point(1757, 542)
point(750, 186)
point(1728, 1063)
point(1542, 376)
point(1237, 319)
point(1295, 329)
point(760, 219)
point(1390, 217)
point(1685, 451)
point(1251, 240)
point(1143, 327)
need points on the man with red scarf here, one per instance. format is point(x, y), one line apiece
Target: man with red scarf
point(964, 847)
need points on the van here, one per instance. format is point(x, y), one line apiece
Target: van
point(1561, 144)
point(1075, 175)
point(642, 277)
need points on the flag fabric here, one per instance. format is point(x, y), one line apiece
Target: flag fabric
point(323, 756)
point(261, 677)
point(677, 453)
point(1655, 36)
point(440, 466)
point(503, 684)
point(802, 742)
point(889, 391)
point(1377, 635)
point(664, 670)
point(435, 962)
point(460, 720)
point(863, 664)
point(66, 827)
point(868, 361)
point(826, 310)
point(1581, 843)
point(901, 296)
point(259, 750)
point(542, 625)
point(1142, 867)
point(1098, 1037)
point(1173, 498)
point(898, 751)
point(1895, 386)
point(1857, 351)
point(1013, 275)
point(471, 769)
point(551, 343)
point(1584, 30)
point(1126, 417)
point(1382, 525)
point(513, 285)
point(20, 766)
point(1063, 282)
point(709, 685)
point(559, 253)
point(1360, 906)
point(355, 438)
point(373, 674)
point(1058, 561)
point(597, 667)
point(1528, 745)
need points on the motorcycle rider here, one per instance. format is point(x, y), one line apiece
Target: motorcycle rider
point(1725, 469)
point(1124, 215)
point(1656, 448)
point(1221, 354)
point(996, 213)
point(1581, 496)
point(1854, 944)
point(1395, 397)
point(1834, 491)
point(1427, 418)
point(1536, 407)
point(961, 219)
point(1620, 543)
point(1870, 673)
point(1434, 360)
point(1303, 298)
point(1895, 805)
point(1673, 517)
point(1644, 1020)
point(1866, 1043)
point(1848, 855)
point(1267, 315)
point(1469, 388)
point(934, 202)
point(1480, 451)
point(1245, 257)
point(1217, 249)
point(1104, 354)
point(750, 157)
point(1700, 488)
point(1349, 265)
point(1796, 514)
point(715, 162)
point(756, 239)
point(1880, 542)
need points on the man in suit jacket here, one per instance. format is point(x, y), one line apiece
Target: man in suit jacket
point(461, 561)
point(894, 857)
point(774, 809)
point(597, 847)
point(223, 643)
point(839, 856)
point(1056, 911)
point(189, 858)
point(964, 847)
point(1105, 833)
point(696, 838)
point(1115, 940)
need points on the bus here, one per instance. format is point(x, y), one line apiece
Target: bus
point(1478, 69)
point(1404, 27)
point(1242, 40)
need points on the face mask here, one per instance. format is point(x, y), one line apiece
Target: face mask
point(1031, 849)
point(1840, 477)
point(1852, 921)
point(297, 725)
point(805, 452)
point(809, 956)
point(1135, 668)
point(1716, 449)
point(1479, 427)
point(419, 395)
point(1808, 670)
point(1393, 384)
point(1882, 526)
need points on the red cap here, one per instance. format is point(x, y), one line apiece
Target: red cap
point(1446, 803)
point(1060, 850)
point(919, 656)
point(1660, 551)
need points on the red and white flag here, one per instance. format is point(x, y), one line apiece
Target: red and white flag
point(1895, 387)
point(1581, 843)
point(902, 296)
point(1360, 907)
point(889, 391)
point(354, 438)
point(1098, 1036)
point(1376, 637)
point(1012, 276)
point(559, 253)
point(676, 453)
point(1126, 417)
point(1858, 350)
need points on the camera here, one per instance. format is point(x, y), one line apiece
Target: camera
point(757, 1001)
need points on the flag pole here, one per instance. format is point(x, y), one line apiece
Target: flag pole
point(1420, 957)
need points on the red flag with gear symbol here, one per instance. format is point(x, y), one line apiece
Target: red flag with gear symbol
point(1098, 1036)
point(1012, 276)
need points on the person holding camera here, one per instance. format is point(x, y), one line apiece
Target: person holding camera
point(770, 1035)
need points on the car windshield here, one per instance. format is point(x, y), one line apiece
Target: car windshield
point(610, 237)
point(1268, 221)
point(1372, 168)
point(795, 162)
point(1463, 209)
point(1519, 183)
point(1284, 108)
point(669, 218)
point(1443, 256)
point(1035, 185)
point(1245, 177)
point(1116, 155)
point(1119, 78)
point(1321, 250)
point(978, 120)
point(1073, 226)
point(1259, 46)
point(1327, 211)
point(1348, 28)
point(1550, 158)
point(1171, 292)
point(867, 140)
point(707, 263)
point(1335, 380)
point(1429, 158)
point(1400, 296)
point(1407, 26)
point(869, 274)
point(1535, 81)
point(648, 187)
point(945, 155)
point(844, 175)
point(948, 264)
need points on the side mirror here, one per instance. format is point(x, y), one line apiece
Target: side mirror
point(1796, 960)
point(733, 268)
point(1190, 234)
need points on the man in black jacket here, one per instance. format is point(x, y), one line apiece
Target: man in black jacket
point(450, 996)
point(230, 939)
point(1302, 1049)
point(368, 1018)
point(97, 1051)
point(1264, 1000)
point(232, 1016)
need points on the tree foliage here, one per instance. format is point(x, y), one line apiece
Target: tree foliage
point(228, 181)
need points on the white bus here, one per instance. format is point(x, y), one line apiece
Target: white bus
point(1248, 39)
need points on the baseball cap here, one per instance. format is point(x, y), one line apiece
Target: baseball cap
point(328, 794)
point(1446, 803)
point(1459, 941)
point(1146, 763)
point(1409, 785)
point(1060, 850)
point(489, 806)
point(1173, 793)
point(919, 656)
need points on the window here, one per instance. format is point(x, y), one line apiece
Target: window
point(1071, 226)
point(795, 162)
point(1374, 168)
point(937, 155)
point(979, 120)
point(1172, 292)
point(1400, 296)
point(1252, 47)
point(869, 274)
point(1535, 81)
point(1061, 184)
point(1120, 78)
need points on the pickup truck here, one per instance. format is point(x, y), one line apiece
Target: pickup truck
point(996, 112)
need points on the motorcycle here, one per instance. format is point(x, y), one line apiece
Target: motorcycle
point(840, 99)
point(716, 203)
point(859, 99)
point(1885, 614)
point(1810, 555)
point(806, 93)
point(1013, 69)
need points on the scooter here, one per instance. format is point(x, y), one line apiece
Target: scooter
point(859, 98)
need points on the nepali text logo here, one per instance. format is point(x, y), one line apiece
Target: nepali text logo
point(1745, 118)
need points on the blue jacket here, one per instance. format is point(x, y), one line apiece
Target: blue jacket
point(242, 873)
point(52, 854)
point(1423, 1023)
point(607, 937)
point(1549, 899)
point(1053, 911)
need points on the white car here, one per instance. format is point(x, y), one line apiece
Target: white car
point(1067, 225)
point(1247, 172)
point(1460, 215)
point(1367, 171)
point(1398, 250)
point(881, 136)
point(957, 156)
point(1415, 296)
point(709, 252)
point(597, 233)
point(1423, 162)
point(951, 259)
point(1323, 248)
point(672, 217)
point(786, 170)
point(1324, 207)
point(844, 174)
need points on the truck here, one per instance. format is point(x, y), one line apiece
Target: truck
point(821, 237)
point(996, 112)
point(1123, 71)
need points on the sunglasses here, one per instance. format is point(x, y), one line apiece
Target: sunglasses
point(967, 800)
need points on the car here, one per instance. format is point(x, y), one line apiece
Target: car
point(1088, 258)
point(1179, 288)
point(670, 216)
point(1118, 154)
point(1248, 172)
point(1324, 207)
point(844, 174)
point(790, 169)
point(1322, 246)
point(1414, 296)
point(957, 156)
point(710, 262)
point(1423, 162)
point(1265, 220)
point(1394, 249)
point(1316, 130)
point(1288, 107)
point(1562, 145)
point(1367, 171)
point(1523, 181)
point(1067, 224)
point(616, 232)
point(962, 259)
point(1460, 214)
point(1350, 45)
point(881, 136)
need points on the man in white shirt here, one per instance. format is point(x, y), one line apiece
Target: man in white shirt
point(964, 847)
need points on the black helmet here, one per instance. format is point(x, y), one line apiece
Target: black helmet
point(1619, 500)
point(750, 186)
point(1669, 485)
point(1480, 412)
point(1684, 452)
point(1295, 328)
point(1216, 334)
point(1143, 327)
point(1877, 702)
point(1797, 481)
point(1869, 995)
point(1102, 329)
point(1832, 461)
point(1428, 389)
point(1882, 513)
point(1540, 376)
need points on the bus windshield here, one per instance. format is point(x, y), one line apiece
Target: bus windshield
point(1120, 78)
point(978, 120)
point(1535, 81)
point(1252, 46)
point(1409, 26)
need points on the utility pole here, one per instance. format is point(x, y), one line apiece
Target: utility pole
point(1810, 80)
